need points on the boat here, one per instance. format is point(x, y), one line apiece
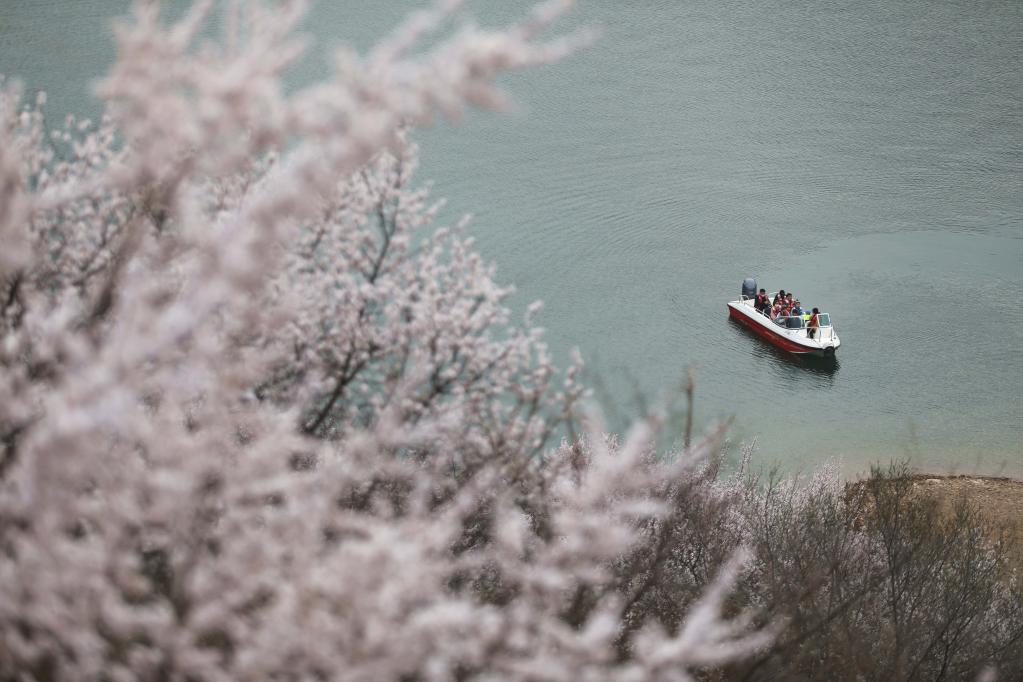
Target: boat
point(787, 333)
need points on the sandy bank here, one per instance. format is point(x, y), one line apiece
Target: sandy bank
point(999, 499)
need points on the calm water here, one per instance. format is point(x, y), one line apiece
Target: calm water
point(867, 155)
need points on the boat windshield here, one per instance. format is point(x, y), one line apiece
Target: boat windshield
point(824, 319)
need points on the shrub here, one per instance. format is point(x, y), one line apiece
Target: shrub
point(259, 422)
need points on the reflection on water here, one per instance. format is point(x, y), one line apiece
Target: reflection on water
point(787, 366)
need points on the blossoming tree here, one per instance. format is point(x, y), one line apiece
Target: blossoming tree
point(259, 420)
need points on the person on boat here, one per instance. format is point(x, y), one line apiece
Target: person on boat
point(814, 324)
point(779, 297)
point(796, 310)
point(761, 301)
point(776, 311)
point(788, 301)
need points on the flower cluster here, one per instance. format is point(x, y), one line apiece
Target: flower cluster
point(259, 420)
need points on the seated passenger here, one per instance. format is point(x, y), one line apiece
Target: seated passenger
point(796, 310)
point(779, 297)
point(761, 301)
point(776, 311)
point(788, 301)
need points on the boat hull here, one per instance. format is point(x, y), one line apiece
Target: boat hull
point(752, 321)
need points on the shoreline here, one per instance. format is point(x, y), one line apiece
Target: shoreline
point(999, 499)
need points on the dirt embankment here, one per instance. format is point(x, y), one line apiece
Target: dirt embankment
point(998, 499)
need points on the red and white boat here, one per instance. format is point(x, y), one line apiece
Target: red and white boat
point(787, 333)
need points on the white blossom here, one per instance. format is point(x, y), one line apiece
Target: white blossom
point(260, 419)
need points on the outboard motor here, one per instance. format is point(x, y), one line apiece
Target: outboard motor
point(749, 288)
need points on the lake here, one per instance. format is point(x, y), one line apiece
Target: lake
point(866, 155)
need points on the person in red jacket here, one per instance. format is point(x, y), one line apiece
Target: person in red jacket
point(761, 301)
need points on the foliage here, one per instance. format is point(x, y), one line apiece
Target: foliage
point(876, 584)
point(256, 425)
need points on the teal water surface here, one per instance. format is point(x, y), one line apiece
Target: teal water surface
point(867, 155)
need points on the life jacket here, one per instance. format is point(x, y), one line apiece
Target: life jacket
point(761, 301)
point(814, 322)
